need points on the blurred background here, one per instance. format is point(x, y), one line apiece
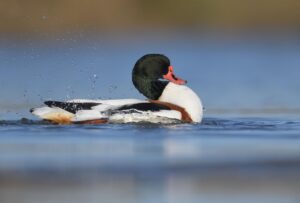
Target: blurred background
point(239, 56)
point(44, 18)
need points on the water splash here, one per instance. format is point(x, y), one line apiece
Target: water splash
point(93, 79)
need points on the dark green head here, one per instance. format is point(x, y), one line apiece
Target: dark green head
point(149, 73)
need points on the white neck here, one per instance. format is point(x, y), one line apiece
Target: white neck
point(184, 97)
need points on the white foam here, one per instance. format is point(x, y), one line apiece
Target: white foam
point(163, 116)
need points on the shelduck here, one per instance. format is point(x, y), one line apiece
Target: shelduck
point(168, 100)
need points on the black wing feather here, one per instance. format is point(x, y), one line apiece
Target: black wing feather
point(72, 107)
point(144, 107)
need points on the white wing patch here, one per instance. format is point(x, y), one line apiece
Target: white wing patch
point(86, 115)
point(55, 114)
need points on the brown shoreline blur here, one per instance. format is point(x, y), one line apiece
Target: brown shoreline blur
point(55, 16)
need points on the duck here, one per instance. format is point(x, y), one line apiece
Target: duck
point(169, 100)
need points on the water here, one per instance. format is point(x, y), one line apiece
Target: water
point(246, 150)
point(221, 160)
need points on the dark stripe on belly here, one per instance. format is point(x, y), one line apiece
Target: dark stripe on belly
point(92, 122)
point(144, 107)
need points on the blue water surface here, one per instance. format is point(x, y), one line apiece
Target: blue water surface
point(221, 160)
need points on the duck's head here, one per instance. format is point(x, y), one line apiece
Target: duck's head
point(152, 73)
